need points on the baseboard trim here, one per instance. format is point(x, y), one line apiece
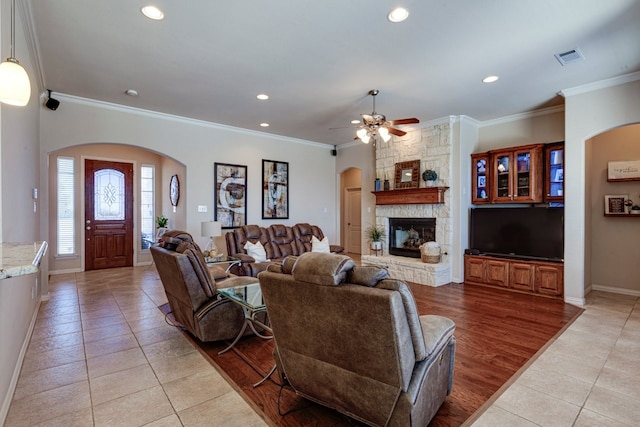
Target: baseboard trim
point(615, 290)
point(69, 270)
point(4, 411)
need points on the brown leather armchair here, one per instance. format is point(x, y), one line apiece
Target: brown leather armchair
point(192, 292)
point(351, 338)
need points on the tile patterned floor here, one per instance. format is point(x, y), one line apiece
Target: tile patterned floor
point(101, 354)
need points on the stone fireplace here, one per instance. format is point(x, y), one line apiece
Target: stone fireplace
point(432, 146)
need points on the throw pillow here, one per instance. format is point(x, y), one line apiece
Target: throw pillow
point(256, 251)
point(320, 245)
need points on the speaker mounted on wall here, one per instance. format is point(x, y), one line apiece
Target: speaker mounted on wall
point(50, 103)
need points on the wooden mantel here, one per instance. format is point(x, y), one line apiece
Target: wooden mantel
point(411, 196)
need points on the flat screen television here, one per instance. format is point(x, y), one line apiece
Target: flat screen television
point(527, 233)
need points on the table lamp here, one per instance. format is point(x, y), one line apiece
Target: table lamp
point(211, 229)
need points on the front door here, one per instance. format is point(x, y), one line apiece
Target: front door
point(108, 189)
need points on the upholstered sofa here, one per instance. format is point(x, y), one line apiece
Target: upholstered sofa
point(278, 242)
point(350, 338)
point(191, 289)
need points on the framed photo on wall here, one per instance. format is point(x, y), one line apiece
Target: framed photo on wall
point(275, 189)
point(615, 204)
point(230, 196)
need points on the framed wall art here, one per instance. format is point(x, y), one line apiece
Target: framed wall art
point(407, 174)
point(615, 204)
point(230, 196)
point(623, 171)
point(275, 189)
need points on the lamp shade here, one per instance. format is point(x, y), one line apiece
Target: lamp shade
point(15, 88)
point(363, 135)
point(210, 228)
point(384, 133)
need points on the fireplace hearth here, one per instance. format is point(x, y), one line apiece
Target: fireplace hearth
point(407, 234)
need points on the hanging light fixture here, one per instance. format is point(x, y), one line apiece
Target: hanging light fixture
point(15, 88)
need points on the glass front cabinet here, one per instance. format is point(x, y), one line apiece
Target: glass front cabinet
point(554, 172)
point(516, 174)
point(480, 179)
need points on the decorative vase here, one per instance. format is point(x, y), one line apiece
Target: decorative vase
point(376, 246)
point(377, 184)
point(386, 185)
point(431, 183)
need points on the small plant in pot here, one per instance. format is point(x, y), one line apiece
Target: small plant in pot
point(430, 176)
point(162, 221)
point(375, 237)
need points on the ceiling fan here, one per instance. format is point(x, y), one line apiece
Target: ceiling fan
point(377, 124)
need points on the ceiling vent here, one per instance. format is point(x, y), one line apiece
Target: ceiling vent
point(569, 56)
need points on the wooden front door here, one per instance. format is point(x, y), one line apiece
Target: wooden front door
point(108, 189)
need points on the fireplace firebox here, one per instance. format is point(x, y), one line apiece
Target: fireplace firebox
point(407, 234)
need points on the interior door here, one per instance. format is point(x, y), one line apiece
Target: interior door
point(108, 189)
point(354, 220)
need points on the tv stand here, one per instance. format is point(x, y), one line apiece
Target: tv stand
point(530, 276)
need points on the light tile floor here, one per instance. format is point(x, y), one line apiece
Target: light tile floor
point(102, 354)
point(589, 376)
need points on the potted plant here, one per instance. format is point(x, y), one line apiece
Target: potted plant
point(161, 221)
point(375, 237)
point(430, 176)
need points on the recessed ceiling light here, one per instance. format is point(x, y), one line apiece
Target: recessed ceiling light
point(264, 125)
point(262, 97)
point(398, 14)
point(131, 92)
point(490, 79)
point(152, 12)
point(355, 121)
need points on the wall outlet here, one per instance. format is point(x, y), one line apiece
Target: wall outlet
point(202, 208)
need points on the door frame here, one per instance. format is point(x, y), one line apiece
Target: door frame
point(81, 208)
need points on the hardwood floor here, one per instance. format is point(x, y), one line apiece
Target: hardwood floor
point(497, 332)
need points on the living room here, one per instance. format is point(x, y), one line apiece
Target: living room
point(33, 136)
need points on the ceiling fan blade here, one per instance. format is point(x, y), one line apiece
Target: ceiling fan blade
point(396, 132)
point(404, 121)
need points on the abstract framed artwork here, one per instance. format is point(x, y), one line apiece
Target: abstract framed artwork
point(275, 189)
point(230, 196)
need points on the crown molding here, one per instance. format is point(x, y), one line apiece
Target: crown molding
point(601, 84)
point(179, 119)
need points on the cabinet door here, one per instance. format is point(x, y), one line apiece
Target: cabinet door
point(497, 272)
point(501, 182)
point(549, 279)
point(473, 270)
point(522, 276)
point(527, 174)
point(554, 173)
point(480, 179)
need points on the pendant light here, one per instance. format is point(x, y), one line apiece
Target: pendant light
point(15, 88)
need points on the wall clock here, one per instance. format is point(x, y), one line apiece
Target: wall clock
point(174, 190)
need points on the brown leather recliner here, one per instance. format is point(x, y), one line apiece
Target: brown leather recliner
point(351, 338)
point(192, 292)
point(278, 240)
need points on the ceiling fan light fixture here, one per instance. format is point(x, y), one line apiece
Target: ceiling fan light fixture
point(364, 136)
point(15, 87)
point(398, 14)
point(384, 133)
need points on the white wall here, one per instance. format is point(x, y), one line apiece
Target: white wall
point(198, 145)
point(19, 174)
point(590, 111)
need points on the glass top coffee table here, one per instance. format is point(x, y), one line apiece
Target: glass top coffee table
point(249, 297)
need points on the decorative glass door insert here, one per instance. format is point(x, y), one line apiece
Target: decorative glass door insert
point(109, 195)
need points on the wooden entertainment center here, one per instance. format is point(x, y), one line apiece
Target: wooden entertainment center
point(528, 174)
point(538, 277)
